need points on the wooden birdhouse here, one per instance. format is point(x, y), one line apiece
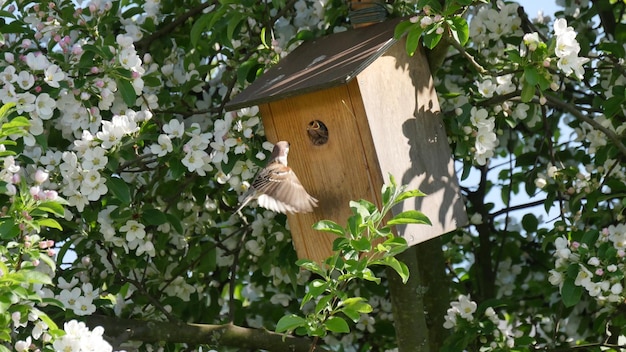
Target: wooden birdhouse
point(379, 108)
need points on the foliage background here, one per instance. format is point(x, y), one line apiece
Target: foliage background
point(119, 183)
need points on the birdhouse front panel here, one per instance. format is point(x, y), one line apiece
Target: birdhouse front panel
point(342, 169)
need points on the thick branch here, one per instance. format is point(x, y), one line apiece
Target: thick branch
point(220, 335)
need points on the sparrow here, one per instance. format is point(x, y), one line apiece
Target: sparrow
point(318, 132)
point(276, 187)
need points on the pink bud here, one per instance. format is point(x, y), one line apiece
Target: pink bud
point(50, 195)
point(34, 191)
point(38, 89)
point(575, 245)
point(41, 176)
point(599, 272)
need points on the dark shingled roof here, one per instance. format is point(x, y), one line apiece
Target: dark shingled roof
point(318, 64)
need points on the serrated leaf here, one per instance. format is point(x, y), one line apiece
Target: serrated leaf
point(289, 322)
point(120, 189)
point(409, 217)
point(337, 324)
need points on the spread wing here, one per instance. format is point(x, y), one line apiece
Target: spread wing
point(280, 190)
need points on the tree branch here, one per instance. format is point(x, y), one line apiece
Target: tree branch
point(555, 101)
point(145, 42)
point(221, 335)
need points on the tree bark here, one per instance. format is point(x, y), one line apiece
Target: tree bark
point(119, 331)
point(407, 303)
point(419, 306)
point(432, 271)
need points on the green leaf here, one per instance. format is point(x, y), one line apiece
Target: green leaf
point(531, 75)
point(55, 208)
point(127, 90)
point(311, 266)
point(408, 194)
point(233, 24)
point(401, 28)
point(8, 229)
point(460, 29)
point(570, 292)
point(17, 122)
point(6, 109)
point(154, 217)
point(329, 226)
point(358, 304)
point(50, 223)
point(289, 322)
point(413, 39)
point(528, 92)
point(198, 28)
point(36, 277)
point(323, 304)
point(395, 264)
point(337, 324)
point(175, 223)
point(361, 244)
point(409, 217)
point(120, 189)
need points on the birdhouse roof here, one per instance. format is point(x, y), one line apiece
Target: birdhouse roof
point(322, 63)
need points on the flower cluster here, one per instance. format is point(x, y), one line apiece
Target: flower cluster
point(489, 25)
point(599, 261)
point(78, 338)
point(567, 49)
point(486, 138)
point(489, 328)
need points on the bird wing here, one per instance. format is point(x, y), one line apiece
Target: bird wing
point(282, 191)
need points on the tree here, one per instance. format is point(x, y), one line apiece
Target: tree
point(121, 170)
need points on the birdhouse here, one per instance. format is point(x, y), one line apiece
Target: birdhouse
point(355, 108)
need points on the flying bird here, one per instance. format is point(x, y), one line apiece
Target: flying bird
point(276, 187)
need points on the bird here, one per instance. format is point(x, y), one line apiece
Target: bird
point(318, 132)
point(276, 187)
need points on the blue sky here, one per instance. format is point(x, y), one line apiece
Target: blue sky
point(532, 6)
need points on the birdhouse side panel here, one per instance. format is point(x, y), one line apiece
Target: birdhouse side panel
point(410, 140)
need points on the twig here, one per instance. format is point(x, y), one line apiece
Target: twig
point(555, 101)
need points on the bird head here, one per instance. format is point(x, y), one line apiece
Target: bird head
point(279, 154)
